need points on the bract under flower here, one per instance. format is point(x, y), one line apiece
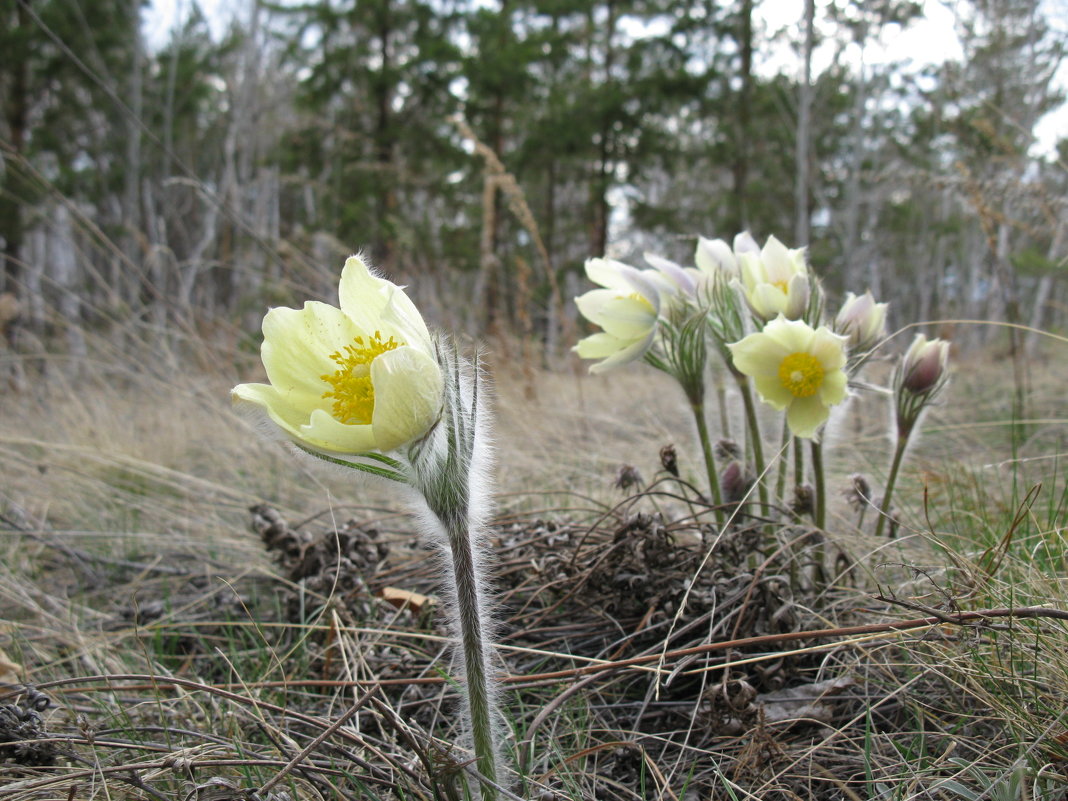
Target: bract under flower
point(349, 380)
point(775, 281)
point(796, 368)
point(626, 308)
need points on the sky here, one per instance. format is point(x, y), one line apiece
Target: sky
point(932, 36)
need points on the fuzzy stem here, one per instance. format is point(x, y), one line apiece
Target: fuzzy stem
point(754, 438)
point(899, 453)
point(475, 648)
point(784, 461)
point(819, 503)
point(697, 406)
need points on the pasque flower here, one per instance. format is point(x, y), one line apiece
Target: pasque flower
point(775, 280)
point(365, 386)
point(862, 320)
point(627, 308)
point(796, 368)
point(924, 365)
point(356, 379)
point(715, 257)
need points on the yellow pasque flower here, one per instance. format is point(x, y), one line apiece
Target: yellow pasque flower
point(797, 368)
point(353, 380)
point(627, 309)
point(775, 280)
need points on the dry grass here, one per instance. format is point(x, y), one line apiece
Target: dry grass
point(125, 552)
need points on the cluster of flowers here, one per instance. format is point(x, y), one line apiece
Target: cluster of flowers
point(762, 310)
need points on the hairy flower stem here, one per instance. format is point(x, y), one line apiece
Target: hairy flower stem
point(454, 489)
point(475, 646)
point(784, 460)
point(754, 439)
point(697, 406)
point(819, 503)
point(899, 453)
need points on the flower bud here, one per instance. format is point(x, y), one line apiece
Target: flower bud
point(862, 320)
point(924, 365)
point(736, 481)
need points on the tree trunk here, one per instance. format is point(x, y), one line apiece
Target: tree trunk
point(802, 224)
point(740, 168)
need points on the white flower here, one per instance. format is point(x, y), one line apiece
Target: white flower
point(627, 309)
point(862, 321)
point(715, 257)
point(796, 368)
point(353, 380)
point(775, 281)
point(670, 278)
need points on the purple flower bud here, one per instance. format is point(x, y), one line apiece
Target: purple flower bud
point(924, 364)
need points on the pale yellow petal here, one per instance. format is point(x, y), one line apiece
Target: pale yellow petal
point(608, 273)
point(325, 433)
point(806, 415)
point(759, 354)
point(833, 389)
point(772, 391)
point(599, 346)
point(280, 409)
point(408, 396)
point(793, 335)
point(297, 344)
point(375, 304)
point(829, 348)
point(631, 353)
point(768, 300)
point(624, 317)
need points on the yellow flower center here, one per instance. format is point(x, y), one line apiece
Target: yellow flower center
point(783, 286)
point(642, 300)
point(802, 374)
point(353, 393)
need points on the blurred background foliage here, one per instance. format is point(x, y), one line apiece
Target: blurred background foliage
point(482, 151)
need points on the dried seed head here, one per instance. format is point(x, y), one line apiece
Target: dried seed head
point(804, 500)
point(858, 493)
point(627, 477)
point(669, 460)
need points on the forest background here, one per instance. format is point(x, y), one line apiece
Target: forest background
point(481, 152)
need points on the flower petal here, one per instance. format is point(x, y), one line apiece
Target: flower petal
point(375, 304)
point(280, 409)
point(833, 389)
point(793, 335)
point(325, 433)
point(628, 354)
point(772, 391)
point(296, 349)
point(806, 415)
point(599, 346)
point(624, 317)
point(759, 354)
point(829, 348)
point(408, 395)
point(608, 273)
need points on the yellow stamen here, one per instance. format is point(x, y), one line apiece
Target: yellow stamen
point(802, 374)
point(353, 393)
point(641, 299)
point(783, 286)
